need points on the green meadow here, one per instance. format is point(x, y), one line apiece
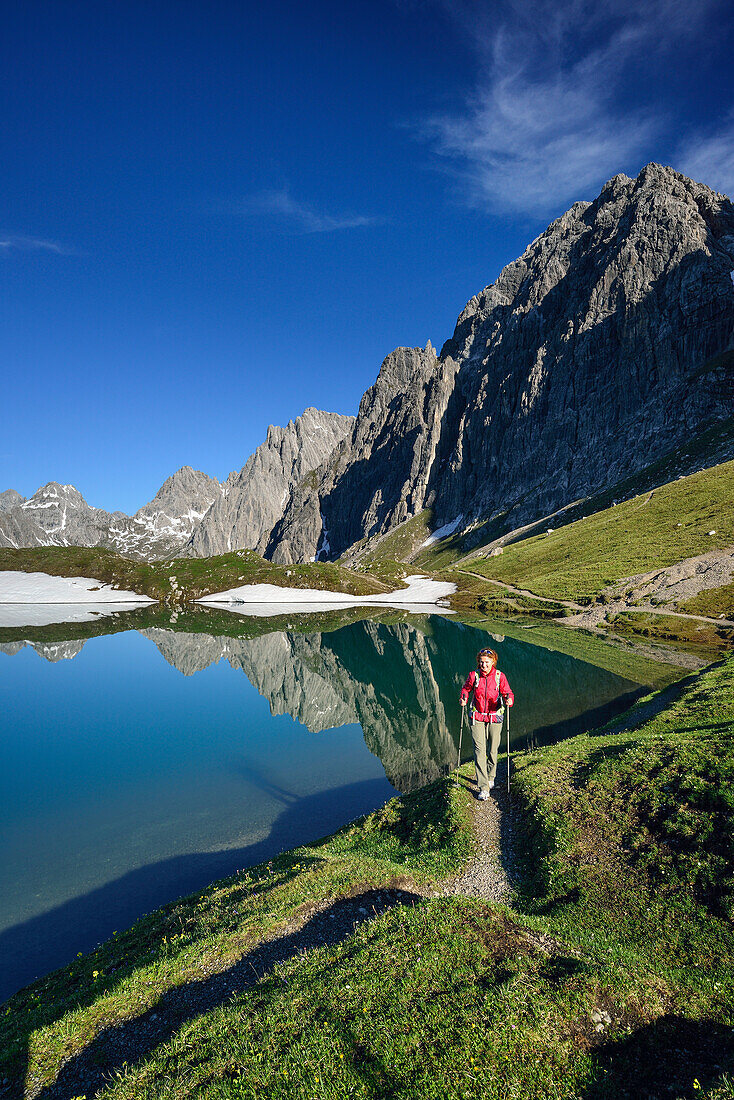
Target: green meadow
point(609, 975)
point(656, 529)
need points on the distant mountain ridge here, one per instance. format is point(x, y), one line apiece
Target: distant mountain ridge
point(601, 349)
point(58, 515)
point(191, 513)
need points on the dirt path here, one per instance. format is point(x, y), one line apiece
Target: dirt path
point(522, 591)
point(680, 581)
point(491, 873)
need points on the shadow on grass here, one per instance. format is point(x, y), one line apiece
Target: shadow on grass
point(673, 1056)
point(51, 939)
point(129, 1042)
point(33, 946)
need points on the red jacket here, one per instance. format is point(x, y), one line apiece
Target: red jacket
point(486, 696)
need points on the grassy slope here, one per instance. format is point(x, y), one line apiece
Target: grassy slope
point(624, 926)
point(717, 601)
point(709, 447)
point(194, 577)
point(641, 534)
point(385, 556)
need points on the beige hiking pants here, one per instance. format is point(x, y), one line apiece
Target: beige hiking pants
point(483, 732)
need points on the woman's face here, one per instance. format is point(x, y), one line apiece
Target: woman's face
point(486, 663)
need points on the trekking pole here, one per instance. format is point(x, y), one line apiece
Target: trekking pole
point(461, 730)
point(508, 749)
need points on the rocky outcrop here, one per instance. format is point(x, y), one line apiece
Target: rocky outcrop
point(254, 499)
point(599, 350)
point(10, 499)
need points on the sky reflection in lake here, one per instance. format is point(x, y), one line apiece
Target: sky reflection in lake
point(142, 765)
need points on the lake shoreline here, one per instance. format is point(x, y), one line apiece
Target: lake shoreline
point(625, 991)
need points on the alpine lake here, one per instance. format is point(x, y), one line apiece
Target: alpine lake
point(147, 753)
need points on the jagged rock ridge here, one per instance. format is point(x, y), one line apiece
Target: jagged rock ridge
point(254, 499)
point(596, 352)
point(191, 512)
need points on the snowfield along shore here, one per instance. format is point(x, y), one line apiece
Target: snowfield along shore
point(17, 587)
point(421, 591)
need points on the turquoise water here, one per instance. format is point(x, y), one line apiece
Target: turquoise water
point(140, 766)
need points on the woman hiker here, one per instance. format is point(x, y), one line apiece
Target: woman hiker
point(486, 684)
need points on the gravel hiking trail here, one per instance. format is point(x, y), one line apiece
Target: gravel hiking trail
point(492, 872)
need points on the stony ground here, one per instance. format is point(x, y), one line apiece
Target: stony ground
point(666, 587)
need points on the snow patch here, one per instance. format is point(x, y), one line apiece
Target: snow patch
point(443, 532)
point(40, 588)
point(325, 545)
point(421, 592)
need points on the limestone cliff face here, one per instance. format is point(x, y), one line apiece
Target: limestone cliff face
point(378, 475)
point(254, 499)
point(593, 354)
point(586, 360)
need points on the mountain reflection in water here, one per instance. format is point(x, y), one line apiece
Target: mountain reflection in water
point(401, 683)
point(126, 785)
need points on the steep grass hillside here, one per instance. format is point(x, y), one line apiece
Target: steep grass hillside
point(609, 978)
point(678, 520)
point(703, 451)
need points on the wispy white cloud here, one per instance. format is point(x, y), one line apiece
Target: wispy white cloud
point(30, 244)
point(301, 217)
point(547, 122)
point(709, 157)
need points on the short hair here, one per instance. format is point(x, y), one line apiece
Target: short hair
point(487, 653)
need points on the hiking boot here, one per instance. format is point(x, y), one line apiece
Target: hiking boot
point(491, 784)
point(483, 796)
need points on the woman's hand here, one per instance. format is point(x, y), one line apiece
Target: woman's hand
point(462, 701)
point(509, 702)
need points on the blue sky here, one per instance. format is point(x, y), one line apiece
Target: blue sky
point(217, 213)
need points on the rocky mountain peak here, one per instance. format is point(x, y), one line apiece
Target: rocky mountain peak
point(186, 490)
point(10, 499)
point(54, 495)
point(255, 497)
point(596, 351)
